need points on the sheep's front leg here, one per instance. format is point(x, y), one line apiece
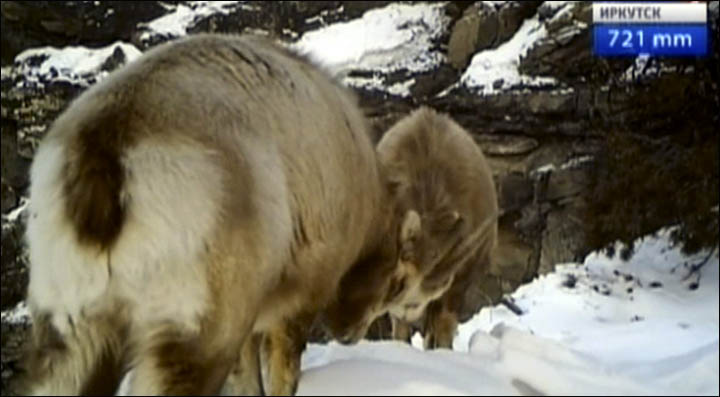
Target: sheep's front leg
point(245, 378)
point(281, 352)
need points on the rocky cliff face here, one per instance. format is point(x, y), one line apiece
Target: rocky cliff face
point(519, 75)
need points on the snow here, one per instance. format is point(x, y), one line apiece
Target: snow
point(652, 340)
point(393, 38)
point(620, 328)
point(594, 336)
point(542, 170)
point(495, 70)
point(71, 64)
point(573, 162)
point(391, 368)
point(576, 161)
point(559, 8)
point(16, 213)
point(17, 315)
point(496, 3)
point(397, 37)
point(376, 82)
point(176, 23)
point(376, 38)
point(646, 67)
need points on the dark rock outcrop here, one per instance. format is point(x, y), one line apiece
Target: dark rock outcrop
point(485, 25)
point(14, 265)
point(30, 24)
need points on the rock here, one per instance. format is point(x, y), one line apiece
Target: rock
point(28, 24)
point(13, 265)
point(534, 113)
point(546, 11)
point(512, 14)
point(432, 82)
point(506, 145)
point(14, 339)
point(287, 20)
point(383, 115)
point(566, 52)
point(513, 257)
point(486, 25)
point(562, 239)
point(33, 95)
point(566, 183)
point(474, 31)
point(515, 191)
point(9, 198)
point(14, 167)
point(117, 59)
point(570, 281)
point(548, 103)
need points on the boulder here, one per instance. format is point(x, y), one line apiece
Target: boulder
point(30, 24)
point(13, 266)
point(9, 198)
point(15, 168)
point(486, 25)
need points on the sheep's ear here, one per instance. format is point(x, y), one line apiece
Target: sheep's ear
point(409, 233)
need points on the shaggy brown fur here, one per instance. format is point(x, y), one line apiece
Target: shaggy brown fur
point(440, 238)
point(442, 174)
point(214, 189)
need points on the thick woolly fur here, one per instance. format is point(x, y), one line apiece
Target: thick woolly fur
point(443, 180)
point(209, 190)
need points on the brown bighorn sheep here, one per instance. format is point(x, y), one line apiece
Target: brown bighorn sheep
point(443, 175)
point(213, 189)
point(442, 190)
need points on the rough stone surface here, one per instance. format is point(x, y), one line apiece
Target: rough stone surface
point(13, 265)
point(14, 338)
point(506, 145)
point(287, 20)
point(476, 29)
point(486, 25)
point(29, 24)
point(562, 239)
point(9, 197)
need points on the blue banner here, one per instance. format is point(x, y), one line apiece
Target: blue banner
point(635, 39)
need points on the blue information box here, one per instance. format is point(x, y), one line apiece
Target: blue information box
point(635, 39)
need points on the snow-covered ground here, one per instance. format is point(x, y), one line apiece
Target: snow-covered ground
point(397, 37)
point(605, 327)
point(495, 70)
point(76, 65)
point(388, 39)
point(182, 16)
point(19, 314)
